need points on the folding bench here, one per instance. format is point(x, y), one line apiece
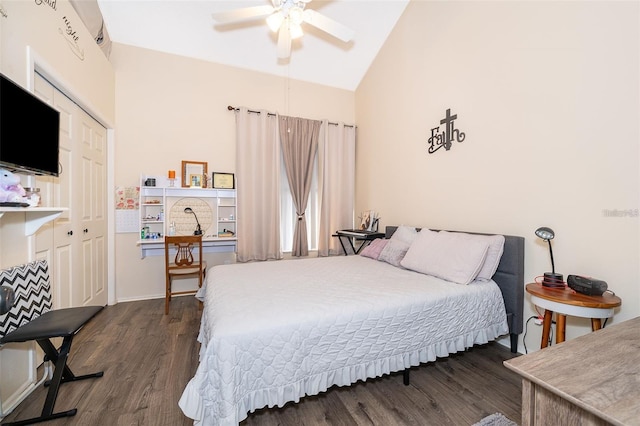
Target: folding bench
point(31, 318)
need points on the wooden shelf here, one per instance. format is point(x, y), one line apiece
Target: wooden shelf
point(218, 213)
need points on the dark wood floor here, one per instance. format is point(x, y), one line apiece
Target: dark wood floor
point(148, 358)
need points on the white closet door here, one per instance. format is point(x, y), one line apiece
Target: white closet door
point(77, 248)
point(54, 241)
point(92, 217)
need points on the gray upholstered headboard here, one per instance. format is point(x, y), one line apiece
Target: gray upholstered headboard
point(510, 279)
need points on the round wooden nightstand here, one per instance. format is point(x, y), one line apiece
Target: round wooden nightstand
point(567, 302)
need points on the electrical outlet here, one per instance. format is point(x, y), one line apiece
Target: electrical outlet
point(538, 321)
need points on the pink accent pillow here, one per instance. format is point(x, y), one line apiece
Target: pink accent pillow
point(398, 245)
point(374, 248)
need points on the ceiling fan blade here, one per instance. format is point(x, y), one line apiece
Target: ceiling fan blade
point(284, 42)
point(244, 14)
point(328, 25)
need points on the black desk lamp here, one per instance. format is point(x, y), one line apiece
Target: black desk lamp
point(551, 279)
point(198, 230)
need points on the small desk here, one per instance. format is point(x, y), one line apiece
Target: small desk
point(351, 235)
point(567, 302)
point(589, 380)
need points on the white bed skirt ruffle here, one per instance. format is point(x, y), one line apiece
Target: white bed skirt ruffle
point(205, 414)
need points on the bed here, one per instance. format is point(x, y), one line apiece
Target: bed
point(273, 332)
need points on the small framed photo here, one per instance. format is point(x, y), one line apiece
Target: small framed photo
point(193, 168)
point(195, 181)
point(365, 220)
point(223, 180)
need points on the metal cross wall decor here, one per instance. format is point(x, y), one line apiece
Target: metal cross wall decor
point(447, 136)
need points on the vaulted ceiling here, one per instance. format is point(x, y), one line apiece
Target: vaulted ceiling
point(187, 28)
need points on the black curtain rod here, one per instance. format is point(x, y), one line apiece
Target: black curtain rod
point(230, 108)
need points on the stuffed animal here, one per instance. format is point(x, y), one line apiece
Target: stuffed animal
point(10, 188)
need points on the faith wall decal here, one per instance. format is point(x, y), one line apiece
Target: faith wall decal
point(447, 136)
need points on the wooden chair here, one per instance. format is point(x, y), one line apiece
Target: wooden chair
point(30, 318)
point(185, 263)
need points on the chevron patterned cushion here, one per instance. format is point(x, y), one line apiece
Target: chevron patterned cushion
point(32, 293)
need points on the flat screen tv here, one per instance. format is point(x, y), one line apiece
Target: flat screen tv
point(29, 132)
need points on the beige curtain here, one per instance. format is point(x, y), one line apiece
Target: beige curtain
point(258, 183)
point(299, 138)
point(336, 183)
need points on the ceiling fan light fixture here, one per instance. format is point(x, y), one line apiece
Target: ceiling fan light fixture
point(296, 15)
point(274, 21)
point(286, 17)
point(295, 30)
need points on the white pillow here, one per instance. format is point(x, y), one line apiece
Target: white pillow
point(398, 245)
point(446, 255)
point(405, 234)
point(494, 254)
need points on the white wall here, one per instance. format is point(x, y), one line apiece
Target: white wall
point(547, 94)
point(54, 36)
point(171, 108)
point(51, 38)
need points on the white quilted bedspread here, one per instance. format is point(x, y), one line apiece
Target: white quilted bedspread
point(273, 332)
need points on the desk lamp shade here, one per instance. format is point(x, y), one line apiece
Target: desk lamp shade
point(551, 279)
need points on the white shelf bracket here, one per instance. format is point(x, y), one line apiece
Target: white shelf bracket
point(35, 217)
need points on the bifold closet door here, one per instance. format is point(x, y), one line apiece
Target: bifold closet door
point(75, 243)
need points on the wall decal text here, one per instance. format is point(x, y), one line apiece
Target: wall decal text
point(447, 136)
point(51, 3)
point(71, 37)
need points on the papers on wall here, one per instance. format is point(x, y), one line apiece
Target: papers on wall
point(127, 218)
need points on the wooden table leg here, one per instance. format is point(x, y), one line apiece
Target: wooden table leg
point(596, 324)
point(561, 325)
point(546, 328)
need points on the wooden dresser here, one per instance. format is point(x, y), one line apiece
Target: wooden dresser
point(591, 380)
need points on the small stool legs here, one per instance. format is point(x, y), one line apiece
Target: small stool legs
point(61, 374)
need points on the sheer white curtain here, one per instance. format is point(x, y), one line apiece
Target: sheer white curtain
point(258, 166)
point(336, 183)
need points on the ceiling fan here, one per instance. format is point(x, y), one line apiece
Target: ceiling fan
point(286, 17)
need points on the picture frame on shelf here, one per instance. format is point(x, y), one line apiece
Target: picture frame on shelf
point(223, 180)
point(195, 181)
point(369, 220)
point(193, 168)
point(365, 220)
